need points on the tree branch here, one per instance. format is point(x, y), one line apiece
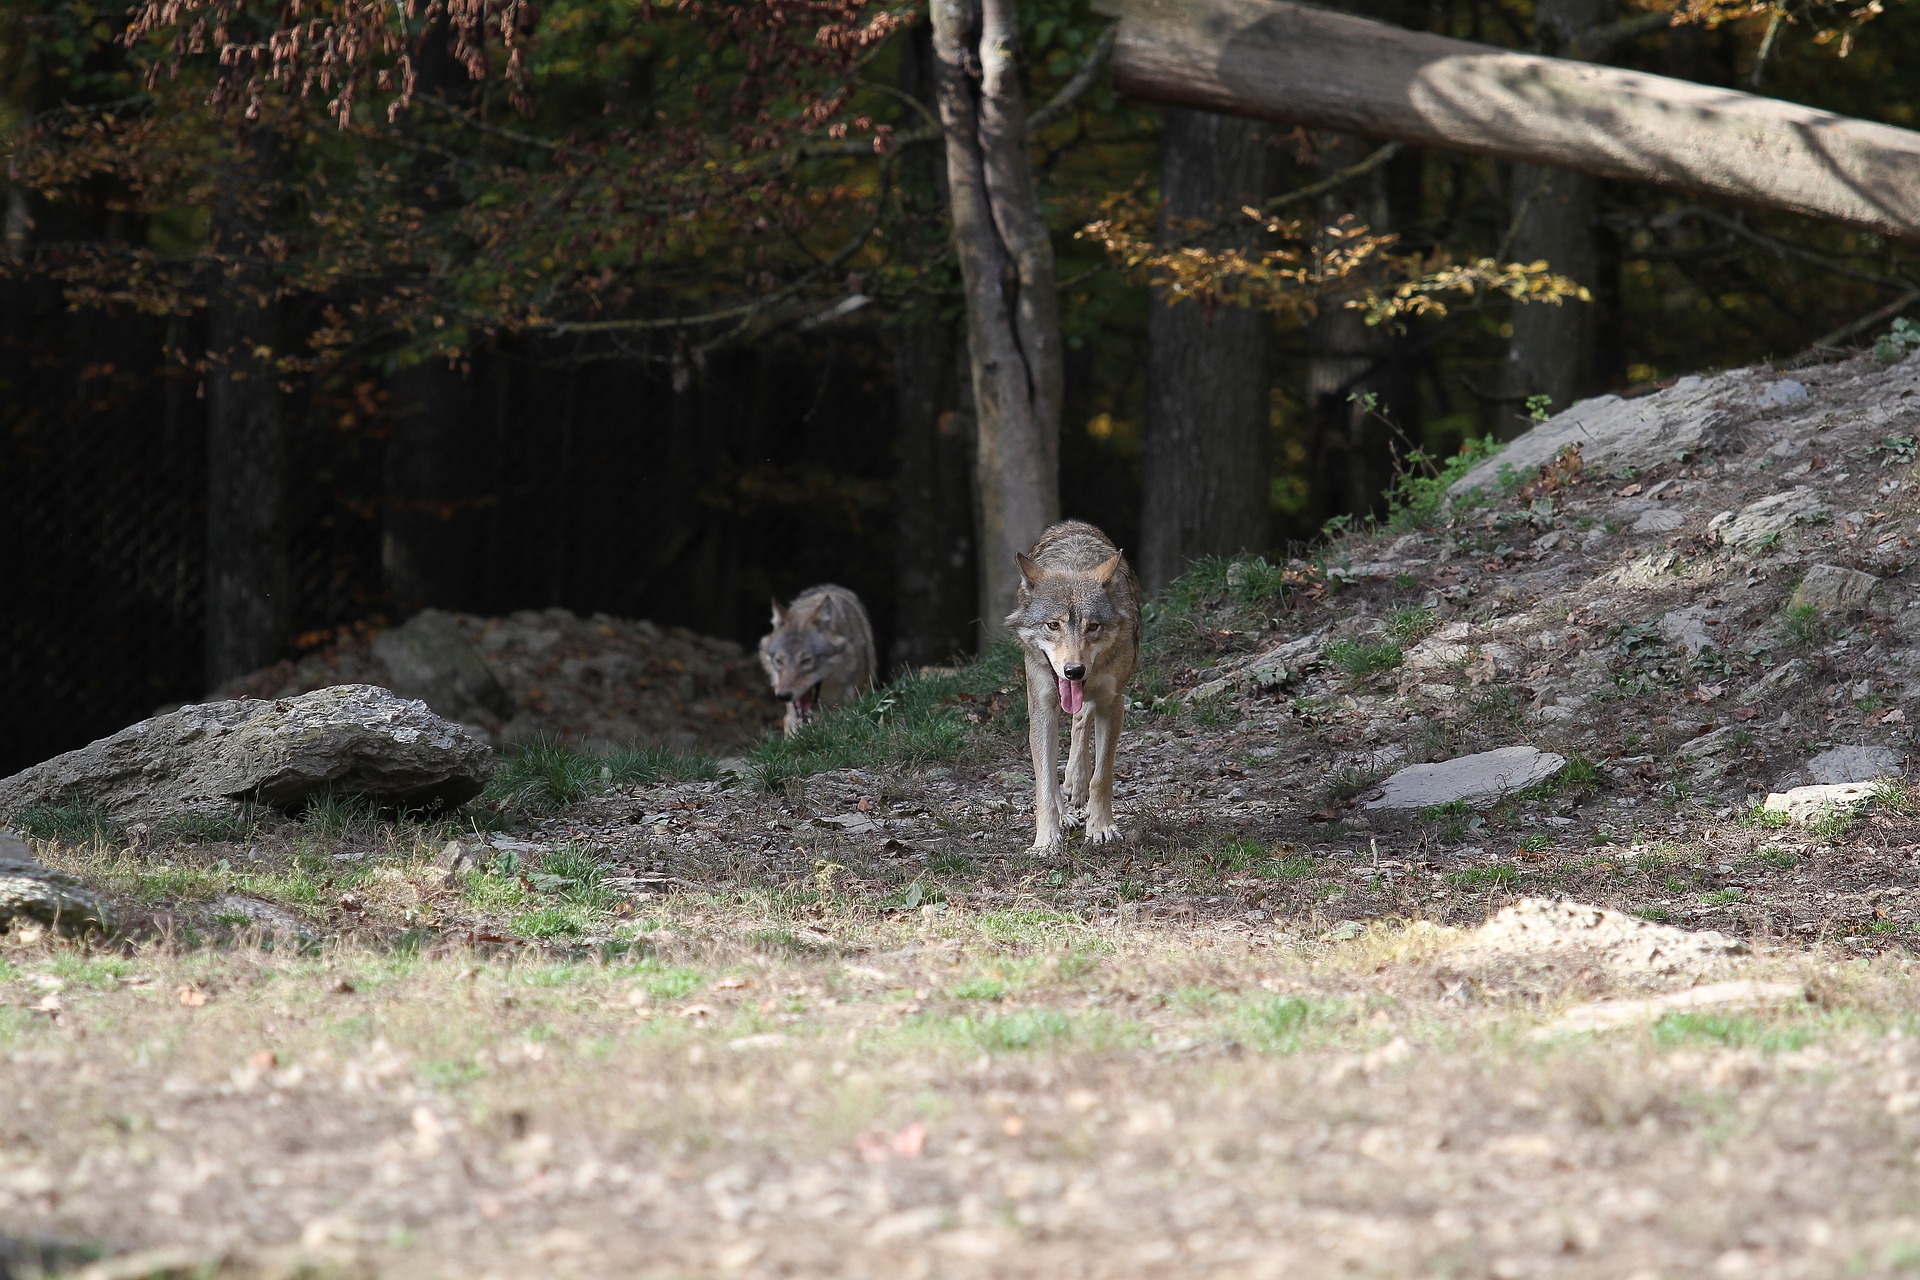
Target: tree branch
point(1075, 89)
point(1597, 42)
point(1332, 182)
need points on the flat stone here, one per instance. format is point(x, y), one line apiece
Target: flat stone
point(1856, 764)
point(1687, 629)
point(1484, 776)
point(1758, 521)
point(1833, 589)
point(32, 892)
point(260, 917)
point(1785, 676)
point(351, 739)
point(1617, 435)
point(1808, 805)
point(1659, 520)
point(1784, 392)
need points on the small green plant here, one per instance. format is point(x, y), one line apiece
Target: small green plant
point(648, 765)
point(1537, 842)
point(1539, 408)
point(1896, 342)
point(1803, 626)
point(1282, 1024)
point(1295, 868)
point(979, 989)
point(544, 776)
point(1456, 822)
point(1727, 897)
point(1496, 876)
point(1418, 493)
point(1758, 815)
point(1659, 915)
point(1363, 658)
point(1351, 780)
point(1410, 625)
point(1775, 856)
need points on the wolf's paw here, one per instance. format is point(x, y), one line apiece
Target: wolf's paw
point(1043, 847)
point(1073, 817)
point(1108, 834)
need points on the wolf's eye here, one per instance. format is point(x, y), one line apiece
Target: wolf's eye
point(1053, 626)
point(1093, 628)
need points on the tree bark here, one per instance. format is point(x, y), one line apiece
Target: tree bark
point(1551, 350)
point(934, 593)
point(1327, 70)
point(1354, 387)
point(1207, 457)
point(433, 521)
point(1006, 265)
point(934, 572)
point(249, 573)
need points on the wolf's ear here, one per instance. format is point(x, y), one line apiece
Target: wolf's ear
point(1029, 571)
point(1104, 573)
point(779, 614)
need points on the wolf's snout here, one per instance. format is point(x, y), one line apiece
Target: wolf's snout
point(1074, 671)
point(784, 697)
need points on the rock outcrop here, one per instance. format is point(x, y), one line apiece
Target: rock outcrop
point(349, 739)
point(36, 893)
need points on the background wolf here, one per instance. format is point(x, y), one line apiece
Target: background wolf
point(819, 653)
point(1077, 616)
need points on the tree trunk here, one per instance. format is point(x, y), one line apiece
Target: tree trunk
point(1328, 70)
point(1206, 466)
point(1551, 350)
point(934, 593)
point(1357, 392)
point(249, 577)
point(934, 585)
point(1006, 266)
point(433, 527)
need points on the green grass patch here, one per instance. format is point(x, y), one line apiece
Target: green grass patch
point(70, 824)
point(1410, 625)
point(1284, 1024)
point(1294, 868)
point(1362, 658)
point(1488, 877)
point(921, 718)
point(1722, 897)
point(979, 989)
point(1738, 1031)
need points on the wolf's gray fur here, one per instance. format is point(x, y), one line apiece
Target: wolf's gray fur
point(819, 653)
point(1077, 616)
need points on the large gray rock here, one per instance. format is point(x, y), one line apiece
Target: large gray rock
point(1833, 589)
point(1758, 522)
point(1483, 776)
point(1618, 435)
point(350, 739)
point(30, 891)
point(428, 658)
point(1856, 764)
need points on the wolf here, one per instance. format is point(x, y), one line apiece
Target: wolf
point(819, 653)
point(1077, 617)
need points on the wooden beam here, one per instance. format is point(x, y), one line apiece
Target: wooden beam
point(1327, 70)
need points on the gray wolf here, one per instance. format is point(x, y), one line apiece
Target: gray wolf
point(1077, 616)
point(819, 653)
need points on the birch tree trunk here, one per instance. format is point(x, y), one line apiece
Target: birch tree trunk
point(249, 577)
point(1006, 266)
point(1207, 466)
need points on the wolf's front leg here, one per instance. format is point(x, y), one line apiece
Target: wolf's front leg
point(1106, 716)
point(1079, 770)
point(1043, 740)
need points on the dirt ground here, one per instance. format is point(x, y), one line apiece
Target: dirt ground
point(816, 1010)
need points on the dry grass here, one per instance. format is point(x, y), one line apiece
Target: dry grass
point(760, 1091)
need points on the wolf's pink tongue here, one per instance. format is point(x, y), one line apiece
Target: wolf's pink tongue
point(1071, 694)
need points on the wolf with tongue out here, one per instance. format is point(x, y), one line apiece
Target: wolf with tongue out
point(1077, 616)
